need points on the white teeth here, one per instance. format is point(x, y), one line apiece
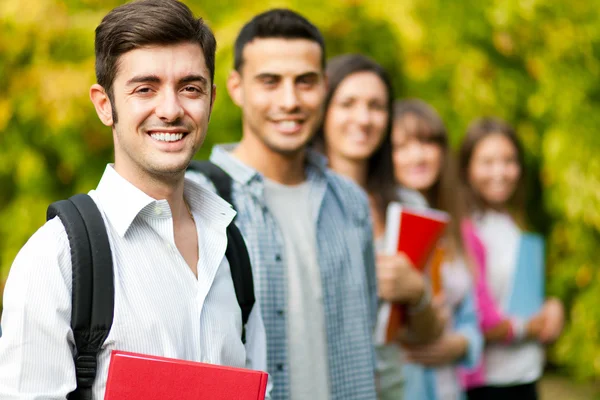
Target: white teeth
point(167, 137)
point(288, 124)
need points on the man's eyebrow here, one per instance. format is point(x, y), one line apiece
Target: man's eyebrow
point(143, 79)
point(264, 75)
point(194, 78)
point(310, 74)
point(156, 79)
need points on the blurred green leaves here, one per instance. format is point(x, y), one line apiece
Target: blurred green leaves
point(534, 63)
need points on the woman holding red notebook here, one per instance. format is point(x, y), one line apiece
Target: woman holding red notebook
point(425, 170)
point(356, 138)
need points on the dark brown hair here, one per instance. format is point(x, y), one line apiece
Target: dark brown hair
point(276, 23)
point(380, 173)
point(419, 120)
point(478, 130)
point(145, 23)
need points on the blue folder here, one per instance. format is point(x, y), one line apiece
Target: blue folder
point(527, 296)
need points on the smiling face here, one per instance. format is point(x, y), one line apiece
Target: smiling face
point(163, 97)
point(357, 117)
point(417, 163)
point(280, 88)
point(494, 169)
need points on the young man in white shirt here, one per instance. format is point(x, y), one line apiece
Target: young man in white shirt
point(174, 295)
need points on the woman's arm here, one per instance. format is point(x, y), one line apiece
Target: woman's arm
point(399, 282)
point(466, 324)
point(495, 326)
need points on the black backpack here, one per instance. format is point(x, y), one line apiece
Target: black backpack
point(93, 286)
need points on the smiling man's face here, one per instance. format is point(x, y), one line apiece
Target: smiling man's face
point(163, 97)
point(281, 89)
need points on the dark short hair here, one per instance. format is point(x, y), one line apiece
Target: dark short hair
point(145, 23)
point(478, 130)
point(276, 23)
point(380, 173)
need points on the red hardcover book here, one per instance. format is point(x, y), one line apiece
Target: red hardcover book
point(134, 376)
point(414, 232)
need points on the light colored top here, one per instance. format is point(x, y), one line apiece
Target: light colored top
point(458, 285)
point(521, 362)
point(344, 239)
point(309, 377)
point(390, 380)
point(442, 383)
point(390, 357)
point(160, 307)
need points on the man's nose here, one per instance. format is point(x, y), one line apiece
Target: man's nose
point(169, 107)
point(289, 97)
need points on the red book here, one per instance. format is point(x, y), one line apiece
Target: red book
point(414, 232)
point(134, 376)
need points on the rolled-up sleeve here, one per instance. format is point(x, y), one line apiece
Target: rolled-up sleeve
point(256, 344)
point(370, 272)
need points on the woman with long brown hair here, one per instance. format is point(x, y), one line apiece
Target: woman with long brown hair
point(424, 168)
point(512, 265)
point(355, 136)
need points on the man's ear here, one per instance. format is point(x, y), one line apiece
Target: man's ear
point(213, 96)
point(102, 104)
point(234, 87)
point(326, 81)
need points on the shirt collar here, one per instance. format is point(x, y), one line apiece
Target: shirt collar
point(316, 163)
point(122, 202)
point(411, 197)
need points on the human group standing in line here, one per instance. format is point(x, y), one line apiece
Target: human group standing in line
point(324, 148)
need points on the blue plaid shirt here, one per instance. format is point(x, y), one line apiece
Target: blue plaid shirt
point(346, 259)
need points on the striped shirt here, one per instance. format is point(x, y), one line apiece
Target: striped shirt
point(347, 268)
point(161, 308)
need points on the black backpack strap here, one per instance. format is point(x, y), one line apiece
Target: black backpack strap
point(93, 286)
point(241, 273)
point(217, 176)
point(236, 253)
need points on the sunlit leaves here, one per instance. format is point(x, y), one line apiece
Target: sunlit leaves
point(535, 63)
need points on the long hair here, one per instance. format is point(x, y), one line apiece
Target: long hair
point(478, 130)
point(380, 173)
point(419, 120)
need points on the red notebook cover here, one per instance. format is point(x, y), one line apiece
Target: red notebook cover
point(414, 232)
point(134, 376)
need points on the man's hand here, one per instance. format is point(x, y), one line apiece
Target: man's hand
point(398, 281)
point(447, 349)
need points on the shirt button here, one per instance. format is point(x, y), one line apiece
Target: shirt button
point(279, 367)
point(280, 313)
point(277, 257)
point(157, 210)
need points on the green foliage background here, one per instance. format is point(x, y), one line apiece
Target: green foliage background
point(535, 63)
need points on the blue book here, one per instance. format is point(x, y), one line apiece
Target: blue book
point(527, 296)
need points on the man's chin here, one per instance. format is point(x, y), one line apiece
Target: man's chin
point(169, 170)
point(289, 148)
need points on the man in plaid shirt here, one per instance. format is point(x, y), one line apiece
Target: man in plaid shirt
point(308, 229)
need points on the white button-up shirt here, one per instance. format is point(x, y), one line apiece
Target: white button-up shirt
point(160, 306)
